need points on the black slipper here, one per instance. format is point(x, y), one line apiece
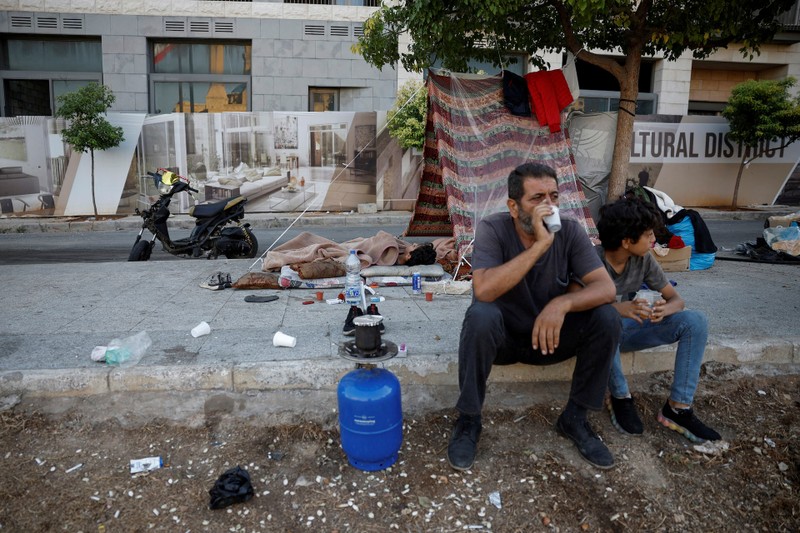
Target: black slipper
point(252, 298)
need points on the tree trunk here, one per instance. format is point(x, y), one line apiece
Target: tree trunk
point(739, 180)
point(628, 92)
point(94, 199)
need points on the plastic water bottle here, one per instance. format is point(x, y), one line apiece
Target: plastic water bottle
point(352, 284)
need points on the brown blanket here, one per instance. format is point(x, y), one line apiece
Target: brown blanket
point(382, 249)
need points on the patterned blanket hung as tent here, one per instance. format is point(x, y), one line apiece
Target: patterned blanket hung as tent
point(472, 144)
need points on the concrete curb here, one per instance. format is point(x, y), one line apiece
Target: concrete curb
point(324, 375)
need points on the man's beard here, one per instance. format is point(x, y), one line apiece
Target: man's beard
point(526, 221)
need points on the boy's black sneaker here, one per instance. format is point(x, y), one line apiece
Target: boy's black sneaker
point(589, 444)
point(372, 309)
point(464, 442)
point(349, 328)
point(685, 423)
point(624, 416)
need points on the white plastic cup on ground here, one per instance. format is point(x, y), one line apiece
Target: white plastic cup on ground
point(201, 329)
point(553, 221)
point(282, 339)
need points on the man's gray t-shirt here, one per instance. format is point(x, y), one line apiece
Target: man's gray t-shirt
point(637, 270)
point(571, 254)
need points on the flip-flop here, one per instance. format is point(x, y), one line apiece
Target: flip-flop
point(216, 282)
point(253, 298)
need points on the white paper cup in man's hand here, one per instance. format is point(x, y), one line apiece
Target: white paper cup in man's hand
point(553, 222)
point(282, 339)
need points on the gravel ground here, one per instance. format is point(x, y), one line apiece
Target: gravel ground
point(71, 474)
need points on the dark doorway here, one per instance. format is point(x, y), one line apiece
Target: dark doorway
point(27, 97)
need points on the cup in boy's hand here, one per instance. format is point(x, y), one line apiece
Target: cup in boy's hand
point(651, 297)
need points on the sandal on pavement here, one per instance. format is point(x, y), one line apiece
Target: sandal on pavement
point(252, 298)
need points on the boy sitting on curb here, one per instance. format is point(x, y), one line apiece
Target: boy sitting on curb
point(626, 233)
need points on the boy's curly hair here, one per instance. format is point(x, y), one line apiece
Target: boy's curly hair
point(627, 218)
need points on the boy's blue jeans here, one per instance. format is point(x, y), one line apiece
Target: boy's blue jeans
point(688, 328)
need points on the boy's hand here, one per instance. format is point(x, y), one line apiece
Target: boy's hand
point(638, 310)
point(658, 313)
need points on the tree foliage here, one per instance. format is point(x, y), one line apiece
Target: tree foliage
point(759, 112)
point(454, 32)
point(406, 119)
point(87, 128)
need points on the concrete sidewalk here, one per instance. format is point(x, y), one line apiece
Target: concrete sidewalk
point(54, 315)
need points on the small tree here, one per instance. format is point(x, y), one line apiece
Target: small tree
point(87, 128)
point(408, 115)
point(759, 112)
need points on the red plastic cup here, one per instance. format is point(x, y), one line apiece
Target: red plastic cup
point(428, 296)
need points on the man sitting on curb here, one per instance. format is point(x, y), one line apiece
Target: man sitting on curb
point(521, 312)
point(626, 232)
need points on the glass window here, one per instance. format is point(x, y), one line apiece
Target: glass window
point(200, 77)
point(53, 55)
point(323, 99)
point(201, 58)
point(36, 71)
point(603, 101)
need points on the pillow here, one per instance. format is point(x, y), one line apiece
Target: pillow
point(257, 280)
point(275, 171)
point(321, 268)
point(426, 271)
point(229, 181)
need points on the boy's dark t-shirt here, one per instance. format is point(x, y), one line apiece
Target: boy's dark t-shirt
point(637, 270)
point(572, 254)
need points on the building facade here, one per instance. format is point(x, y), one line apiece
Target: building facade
point(162, 56)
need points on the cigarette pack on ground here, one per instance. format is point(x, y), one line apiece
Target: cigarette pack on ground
point(146, 464)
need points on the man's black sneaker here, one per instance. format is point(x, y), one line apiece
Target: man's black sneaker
point(685, 423)
point(624, 416)
point(589, 444)
point(349, 328)
point(464, 442)
point(372, 309)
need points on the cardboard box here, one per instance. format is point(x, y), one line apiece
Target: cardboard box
point(676, 260)
point(784, 221)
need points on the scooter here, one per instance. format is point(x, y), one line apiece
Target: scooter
point(210, 234)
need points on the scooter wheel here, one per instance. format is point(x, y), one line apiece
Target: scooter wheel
point(141, 251)
point(251, 239)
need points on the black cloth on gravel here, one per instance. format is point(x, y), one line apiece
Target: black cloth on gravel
point(232, 487)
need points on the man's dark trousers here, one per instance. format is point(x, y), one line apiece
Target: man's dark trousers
point(591, 336)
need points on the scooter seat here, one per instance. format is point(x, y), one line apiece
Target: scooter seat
point(214, 208)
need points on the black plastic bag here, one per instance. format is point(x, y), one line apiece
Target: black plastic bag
point(232, 487)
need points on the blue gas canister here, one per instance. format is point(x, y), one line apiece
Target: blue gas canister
point(370, 417)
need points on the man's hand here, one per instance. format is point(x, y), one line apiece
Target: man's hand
point(543, 237)
point(547, 327)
